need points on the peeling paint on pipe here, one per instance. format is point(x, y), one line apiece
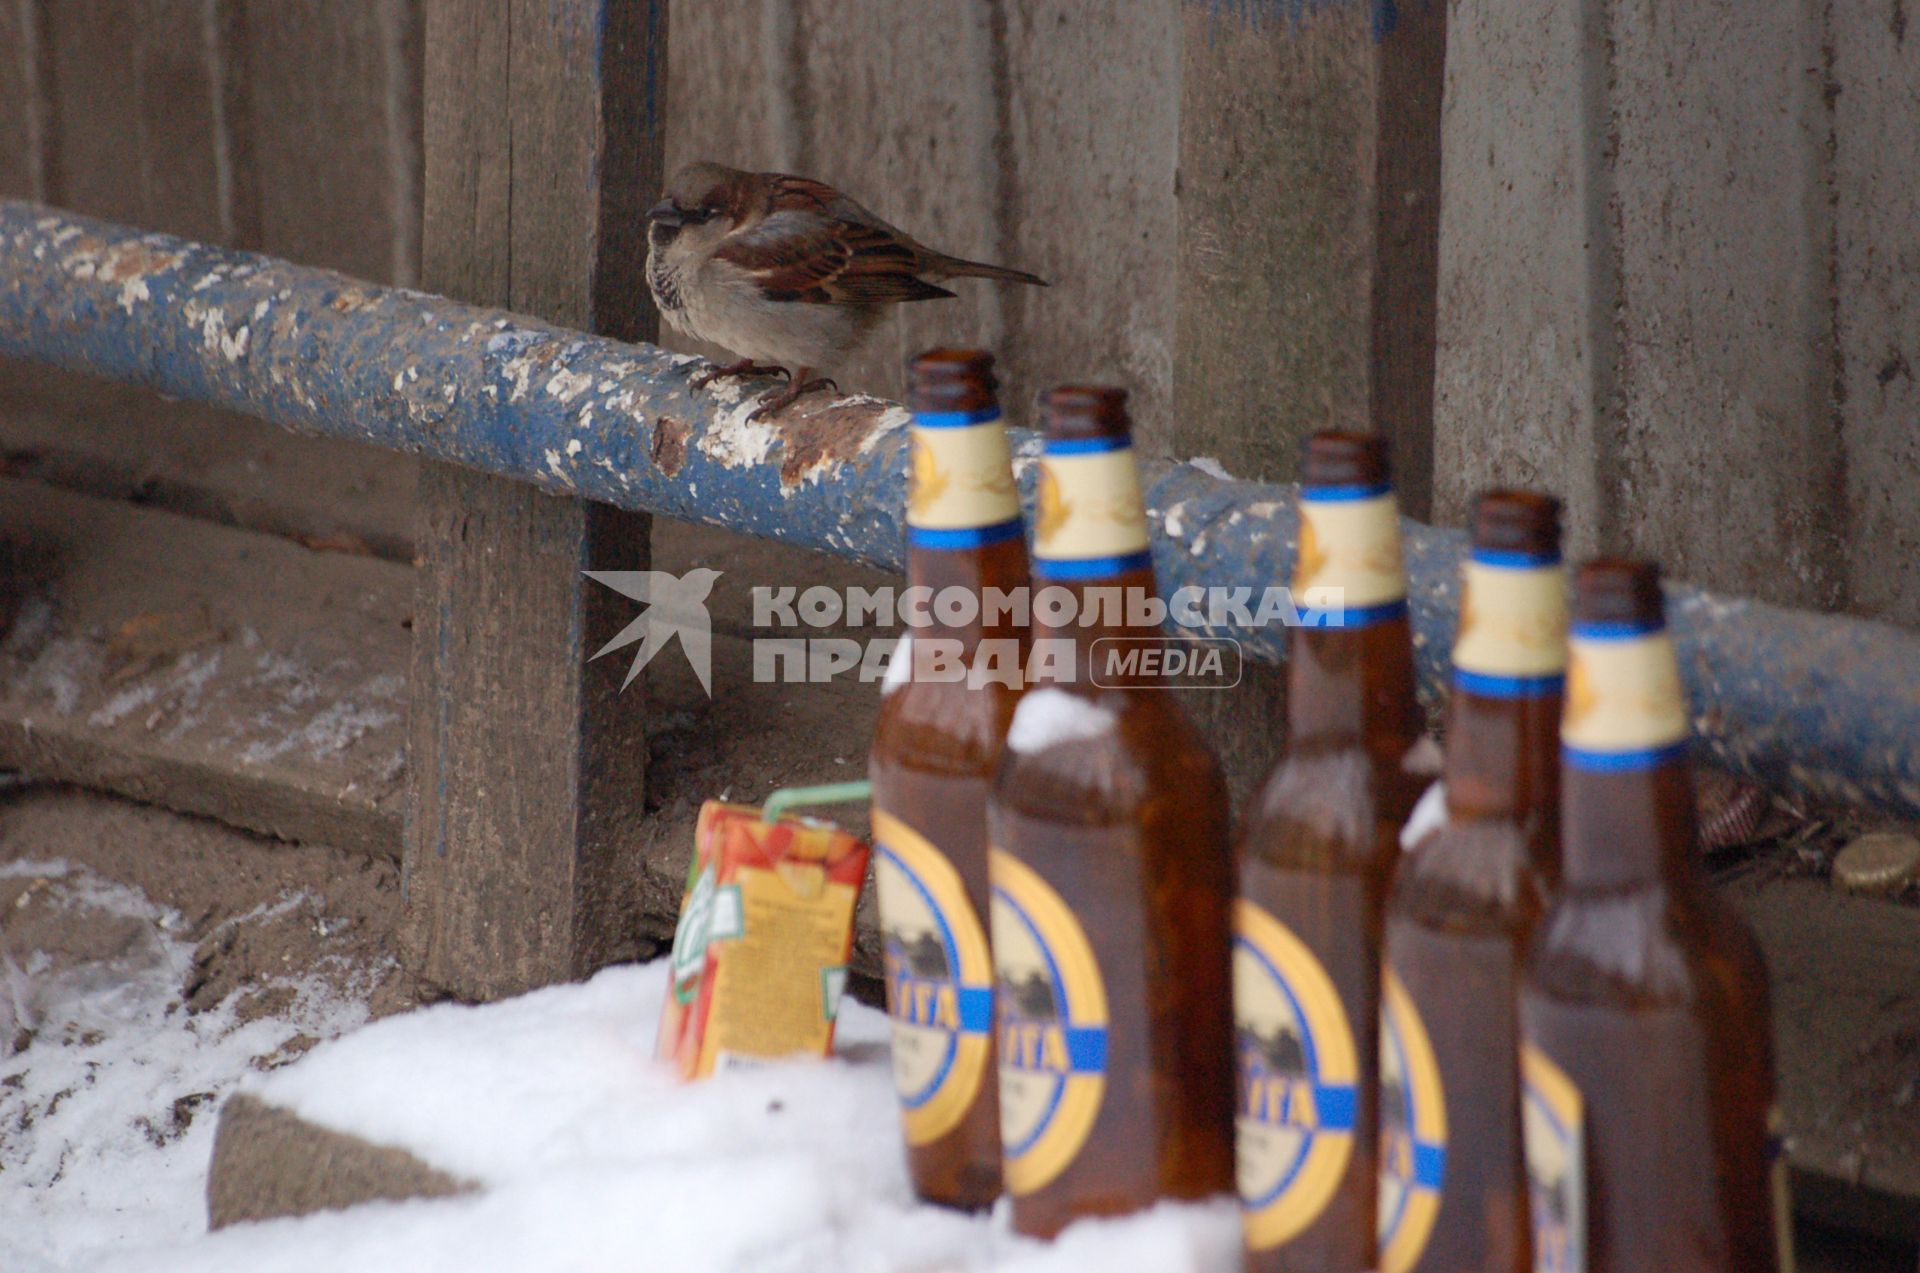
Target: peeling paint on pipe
point(1812, 704)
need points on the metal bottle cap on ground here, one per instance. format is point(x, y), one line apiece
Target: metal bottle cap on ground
point(1881, 862)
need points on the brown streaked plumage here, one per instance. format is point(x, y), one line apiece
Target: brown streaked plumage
point(786, 272)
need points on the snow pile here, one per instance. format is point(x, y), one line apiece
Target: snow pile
point(106, 1112)
point(591, 1157)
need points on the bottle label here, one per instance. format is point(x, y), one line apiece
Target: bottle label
point(1350, 541)
point(1090, 522)
point(961, 492)
point(1512, 641)
point(1782, 1189)
point(1053, 1026)
point(1413, 1131)
point(939, 981)
point(1552, 1115)
point(1625, 706)
point(1299, 1076)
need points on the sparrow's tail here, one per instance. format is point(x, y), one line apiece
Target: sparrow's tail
point(953, 267)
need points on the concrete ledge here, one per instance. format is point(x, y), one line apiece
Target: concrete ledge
point(269, 1163)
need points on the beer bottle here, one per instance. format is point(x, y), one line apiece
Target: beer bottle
point(1314, 864)
point(1464, 902)
point(1112, 876)
point(934, 752)
point(1646, 1065)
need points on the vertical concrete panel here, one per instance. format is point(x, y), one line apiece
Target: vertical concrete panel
point(1635, 295)
point(1732, 472)
point(335, 146)
point(1526, 259)
point(1876, 183)
point(1277, 166)
point(1093, 134)
point(21, 106)
point(917, 87)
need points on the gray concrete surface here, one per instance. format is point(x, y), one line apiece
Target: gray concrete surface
point(1678, 246)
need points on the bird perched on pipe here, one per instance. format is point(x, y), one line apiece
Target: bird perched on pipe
point(786, 272)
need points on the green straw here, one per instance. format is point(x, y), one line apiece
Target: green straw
point(829, 793)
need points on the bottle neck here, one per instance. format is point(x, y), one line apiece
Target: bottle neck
point(1509, 692)
point(970, 594)
point(1503, 765)
point(1093, 574)
point(1089, 625)
point(1626, 784)
point(1628, 829)
point(1353, 686)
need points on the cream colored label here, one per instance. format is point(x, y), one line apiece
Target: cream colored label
point(962, 478)
point(1513, 622)
point(1090, 506)
point(1553, 1123)
point(1623, 695)
point(1353, 545)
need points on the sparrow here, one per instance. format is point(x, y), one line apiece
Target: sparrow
point(786, 272)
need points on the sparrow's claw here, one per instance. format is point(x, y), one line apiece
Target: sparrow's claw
point(780, 399)
point(745, 367)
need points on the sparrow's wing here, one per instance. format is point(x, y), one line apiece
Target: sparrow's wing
point(817, 246)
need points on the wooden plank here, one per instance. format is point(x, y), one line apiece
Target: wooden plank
point(223, 673)
point(527, 798)
point(119, 442)
point(335, 148)
point(133, 125)
point(21, 105)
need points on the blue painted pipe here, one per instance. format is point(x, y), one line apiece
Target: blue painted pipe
point(1807, 703)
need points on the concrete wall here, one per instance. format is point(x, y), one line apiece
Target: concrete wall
point(1677, 283)
point(1039, 133)
point(1678, 273)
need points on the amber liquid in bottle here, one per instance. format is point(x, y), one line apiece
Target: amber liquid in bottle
point(1112, 880)
point(1314, 865)
point(1463, 906)
point(1647, 1056)
point(934, 753)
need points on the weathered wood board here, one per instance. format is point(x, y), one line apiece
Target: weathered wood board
point(230, 674)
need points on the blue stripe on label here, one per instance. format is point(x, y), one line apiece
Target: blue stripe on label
point(1514, 559)
point(1343, 494)
point(1488, 686)
point(963, 536)
point(1613, 630)
point(1429, 1165)
point(1621, 761)
point(976, 1009)
point(1090, 567)
point(1084, 446)
point(954, 419)
point(1087, 1049)
point(1336, 1104)
point(1354, 616)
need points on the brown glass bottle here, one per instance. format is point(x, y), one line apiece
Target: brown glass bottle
point(934, 753)
point(1647, 1058)
point(1112, 877)
point(1314, 865)
point(1464, 902)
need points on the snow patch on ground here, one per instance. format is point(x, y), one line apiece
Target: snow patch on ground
point(107, 1111)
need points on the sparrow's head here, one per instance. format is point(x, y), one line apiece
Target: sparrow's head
point(703, 203)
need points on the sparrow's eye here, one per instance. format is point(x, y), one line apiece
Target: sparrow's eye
point(700, 215)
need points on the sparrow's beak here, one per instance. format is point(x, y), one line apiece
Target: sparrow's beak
point(665, 213)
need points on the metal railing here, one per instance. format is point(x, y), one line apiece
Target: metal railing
point(1812, 704)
